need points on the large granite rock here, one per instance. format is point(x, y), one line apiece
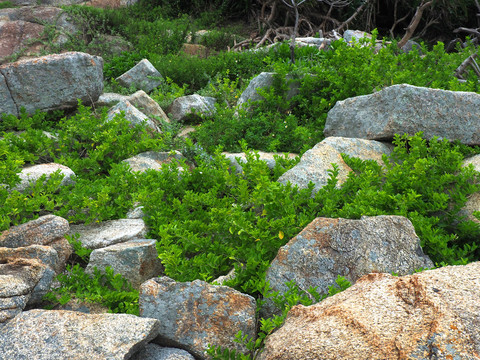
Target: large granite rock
point(132, 115)
point(106, 233)
point(315, 165)
point(407, 109)
point(22, 30)
point(45, 230)
point(19, 279)
point(142, 76)
point(327, 248)
point(47, 335)
point(136, 260)
point(430, 315)
point(195, 314)
point(52, 82)
point(189, 107)
point(30, 175)
point(152, 160)
point(264, 80)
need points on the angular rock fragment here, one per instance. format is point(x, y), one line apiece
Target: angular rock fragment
point(316, 164)
point(401, 109)
point(42, 231)
point(186, 107)
point(195, 314)
point(327, 248)
point(142, 76)
point(135, 260)
point(433, 314)
point(53, 82)
point(46, 335)
point(95, 236)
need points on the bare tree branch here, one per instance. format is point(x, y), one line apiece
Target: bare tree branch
point(414, 23)
point(354, 15)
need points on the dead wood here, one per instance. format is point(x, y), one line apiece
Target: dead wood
point(414, 23)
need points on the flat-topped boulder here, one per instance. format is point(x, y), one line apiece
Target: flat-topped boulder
point(60, 334)
point(50, 82)
point(401, 109)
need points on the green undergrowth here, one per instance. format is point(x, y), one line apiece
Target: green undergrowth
point(206, 218)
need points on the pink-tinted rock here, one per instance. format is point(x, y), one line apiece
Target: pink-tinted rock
point(195, 314)
point(430, 315)
point(41, 231)
point(18, 35)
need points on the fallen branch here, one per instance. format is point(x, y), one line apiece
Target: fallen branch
point(470, 31)
point(414, 23)
point(468, 61)
point(354, 15)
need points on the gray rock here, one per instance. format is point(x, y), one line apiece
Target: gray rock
point(327, 248)
point(237, 159)
point(54, 81)
point(82, 306)
point(355, 35)
point(315, 164)
point(195, 314)
point(142, 76)
point(473, 202)
point(187, 107)
point(7, 105)
point(135, 260)
point(110, 99)
point(42, 231)
point(148, 106)
point(19, 279)
point(430, 315)
point(265, 80)
point(152, 160)
point(132, 115)
point(106, 233)
point(46, 335)
point(157, 352)
point(47, 255)
point(136, 213)
point(407, 109)
point(31, 174)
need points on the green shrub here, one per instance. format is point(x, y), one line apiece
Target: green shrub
point(109, 289)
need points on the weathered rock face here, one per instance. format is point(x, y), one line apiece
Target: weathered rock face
point(19, 35)
point(237, 159)
point(52, 82)
point(315, 164)
point(156, 352)
point(18, 280)
point(46, 335)
point(142, 76)
point(22, 30)
point(407, 109)
point(43, 231)
point(31, 174)
point(147, 105)
point(473, 202)
point(328, 247)
point(132, 115)
point(136, 260)
point(264, 80)
point(152, 160)
point(433, 314)
point(96, 236)
point(185, 107)
point(193, 315)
